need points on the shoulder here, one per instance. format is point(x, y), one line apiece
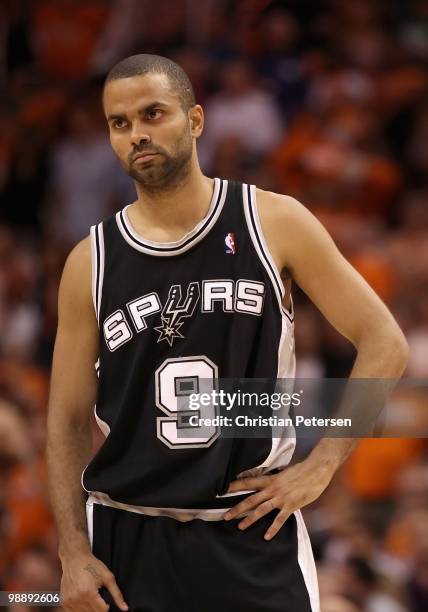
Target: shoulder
point(290, 229)
point(77, 273)
point(275, 207)
point(80, 254)
point(76, 306)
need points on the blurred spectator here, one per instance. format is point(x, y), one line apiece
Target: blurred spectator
point(65, 33)
point(24, 182)
point(34, 571)
point(416, 150)
point(120, 34)
point(361, 583)
point(336, 603)
point(19, 312)
point(240, 109)
point(87, 183)
point(418, 583)
point(197, 65)
point(414, 30)
point(389, 455)
point(334, 159)
point(15, 34)
point(278, 62)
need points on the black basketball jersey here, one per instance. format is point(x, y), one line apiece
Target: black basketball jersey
point(205, 307)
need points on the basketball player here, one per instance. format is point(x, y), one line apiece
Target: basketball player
point(186, 285)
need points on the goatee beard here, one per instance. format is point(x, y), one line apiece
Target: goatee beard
point(165, 177)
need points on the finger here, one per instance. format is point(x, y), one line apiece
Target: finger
point(93, 602)
point(260, 511)
point(86, 601)
point(100, 605)
point(75, 602)
point(246, 505)
point(243, 484)
point(111, 584)
point(280, 519)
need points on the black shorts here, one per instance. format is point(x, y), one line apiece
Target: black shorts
point(165, 565)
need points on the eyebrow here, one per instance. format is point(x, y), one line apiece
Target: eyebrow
point(144, 110)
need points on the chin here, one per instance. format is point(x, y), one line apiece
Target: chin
point(149, 178)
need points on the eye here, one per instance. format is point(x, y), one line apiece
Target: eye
point(154, 113)
point(118, 123)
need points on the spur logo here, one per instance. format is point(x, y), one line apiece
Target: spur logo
point(175, 310)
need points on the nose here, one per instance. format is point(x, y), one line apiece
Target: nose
point(139, 134)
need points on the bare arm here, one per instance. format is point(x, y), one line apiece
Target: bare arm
point(306, 250)
point(72, 397)
point(302, 248)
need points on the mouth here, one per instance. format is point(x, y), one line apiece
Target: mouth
point(143, 157)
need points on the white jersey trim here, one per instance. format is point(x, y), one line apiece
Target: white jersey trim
point(168, 249)
point(94, 264)
point(105, 427)
point(262, 249)
point(90, 523)
point(306, 562)
point(98, 259)
point(282, 448)
point(179, 514)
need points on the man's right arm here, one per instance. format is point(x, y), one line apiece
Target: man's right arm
point(72, 397)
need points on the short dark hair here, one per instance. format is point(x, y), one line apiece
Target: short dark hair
point(145, 63)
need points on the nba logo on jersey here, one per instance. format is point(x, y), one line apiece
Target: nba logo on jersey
point(230, 243)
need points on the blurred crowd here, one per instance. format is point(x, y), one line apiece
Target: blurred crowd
point(324, 100)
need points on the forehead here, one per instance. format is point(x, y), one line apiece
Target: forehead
point(132, 93)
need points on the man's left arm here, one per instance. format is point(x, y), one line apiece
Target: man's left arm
point(300, 245)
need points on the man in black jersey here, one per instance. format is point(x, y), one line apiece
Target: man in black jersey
point(183, 285)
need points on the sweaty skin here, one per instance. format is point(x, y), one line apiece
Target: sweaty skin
point(145, 115)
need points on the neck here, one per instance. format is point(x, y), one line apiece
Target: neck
point(176, 209)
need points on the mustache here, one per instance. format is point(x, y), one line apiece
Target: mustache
point(142, 149)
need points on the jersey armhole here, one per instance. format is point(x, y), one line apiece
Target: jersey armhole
point(97, 258)
point(262, 249)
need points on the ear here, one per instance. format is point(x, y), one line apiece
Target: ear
point(196, 120)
